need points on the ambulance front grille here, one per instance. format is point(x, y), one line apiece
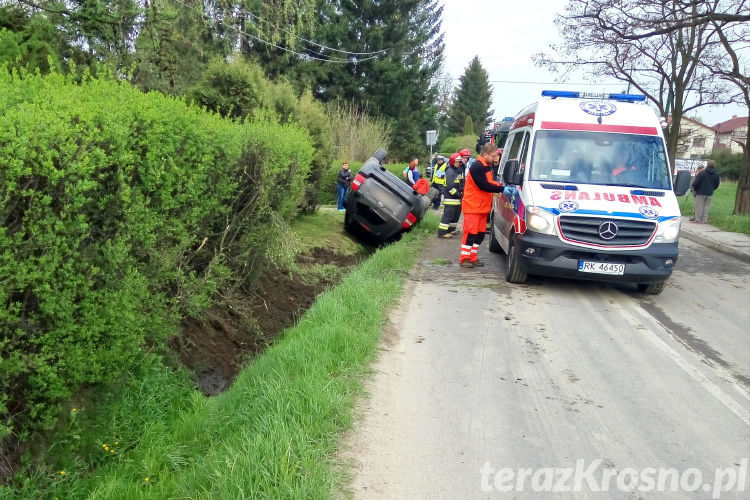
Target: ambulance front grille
point(589, 230)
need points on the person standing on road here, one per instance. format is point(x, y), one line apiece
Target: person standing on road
point(345, 180)
point(467, 160)
point(454, 179)
point(477, 204)
point(704, 185)
point(412, 175)
point(438, 181)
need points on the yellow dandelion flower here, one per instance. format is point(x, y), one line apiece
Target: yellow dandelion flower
point(111, 451)
point(75, 410)
point(106, 448)
point(116, 443)
point(62, 472)
point(146, 479)
point(104, 445)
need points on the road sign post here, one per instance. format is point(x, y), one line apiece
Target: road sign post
point(431, 139)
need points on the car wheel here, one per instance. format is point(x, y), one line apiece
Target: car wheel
point(515, 272)
point(652, 288)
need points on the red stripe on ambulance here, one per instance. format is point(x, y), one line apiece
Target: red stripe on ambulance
point(596, 127)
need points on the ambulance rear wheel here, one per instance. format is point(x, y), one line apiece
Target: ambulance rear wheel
point(652, 288)
point(494, 244)
point(515, 272)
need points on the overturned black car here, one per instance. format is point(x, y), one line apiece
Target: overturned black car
point(381, 206)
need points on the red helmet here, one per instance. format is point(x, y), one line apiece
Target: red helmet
point(452, 160)
point(464, 152)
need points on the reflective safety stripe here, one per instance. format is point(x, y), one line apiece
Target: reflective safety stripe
point(449, 201)
point(474, 249)
point(465, 250)
point(443, 226)
point(453, 191)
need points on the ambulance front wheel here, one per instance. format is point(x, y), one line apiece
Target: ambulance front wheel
point(652, 288)
point(515, 272)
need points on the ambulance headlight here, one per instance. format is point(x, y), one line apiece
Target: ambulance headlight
point(539, 220)
point(668, 231)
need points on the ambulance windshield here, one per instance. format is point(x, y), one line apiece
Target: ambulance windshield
point(600, 158)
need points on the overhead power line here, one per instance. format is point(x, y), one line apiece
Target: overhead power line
point(351, 60)
point(547, 83)
point(324, 47)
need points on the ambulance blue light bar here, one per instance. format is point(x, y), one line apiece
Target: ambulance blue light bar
point(591, 95)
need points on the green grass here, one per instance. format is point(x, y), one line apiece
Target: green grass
point(274, 434)
point(720, 213)
point(325, 229)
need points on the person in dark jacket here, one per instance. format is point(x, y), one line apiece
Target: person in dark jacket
point(345, 180)
point(704, 185)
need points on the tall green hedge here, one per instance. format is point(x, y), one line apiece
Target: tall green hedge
point(121, 212)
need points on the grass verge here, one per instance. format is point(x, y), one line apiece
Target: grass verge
point(720, 213)
point(274, 434)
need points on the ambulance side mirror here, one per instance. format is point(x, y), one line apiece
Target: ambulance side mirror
point(511, 173)
point(682, 182)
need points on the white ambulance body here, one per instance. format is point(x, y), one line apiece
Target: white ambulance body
point(588, 192)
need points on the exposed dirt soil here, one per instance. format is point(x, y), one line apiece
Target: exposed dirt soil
point(216, 345)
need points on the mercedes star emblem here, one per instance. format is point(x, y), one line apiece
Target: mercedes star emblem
point(608, 230)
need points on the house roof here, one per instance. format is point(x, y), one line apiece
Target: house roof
point(698, 123)
point(731, 124)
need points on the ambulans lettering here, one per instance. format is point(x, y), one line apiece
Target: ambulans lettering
point(599, 196)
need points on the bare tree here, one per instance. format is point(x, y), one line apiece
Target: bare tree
point(733, 66)
point(617, 39)
point(728, 58)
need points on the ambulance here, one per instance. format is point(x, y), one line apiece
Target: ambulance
point(588, 192)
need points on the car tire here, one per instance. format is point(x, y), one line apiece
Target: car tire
point(515, 272)
point(652, 288)
point(494, 244)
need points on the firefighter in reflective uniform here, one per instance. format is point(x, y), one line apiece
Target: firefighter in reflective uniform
point(438, 181)
point(454, 188)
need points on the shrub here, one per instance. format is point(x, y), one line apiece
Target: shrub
point(356, 134)
point(456, 143)
point(121, 213)
point(240, 89)
point(728, 164)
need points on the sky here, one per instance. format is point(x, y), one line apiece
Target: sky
point(505, 34)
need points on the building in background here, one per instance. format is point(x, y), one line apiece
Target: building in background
point(696, 140)
point(730, 133)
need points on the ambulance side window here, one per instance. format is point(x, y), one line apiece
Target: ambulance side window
point(515, 145)
point(524, 154)
point(518, 151)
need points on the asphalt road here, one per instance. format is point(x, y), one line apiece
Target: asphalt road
point(479, 378)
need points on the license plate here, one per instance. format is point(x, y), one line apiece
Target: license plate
point(586, 266)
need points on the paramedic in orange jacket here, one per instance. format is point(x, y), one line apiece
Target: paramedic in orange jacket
point(477, 204)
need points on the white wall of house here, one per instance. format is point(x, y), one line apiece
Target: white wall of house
point(696, 140)
point(727, 139)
